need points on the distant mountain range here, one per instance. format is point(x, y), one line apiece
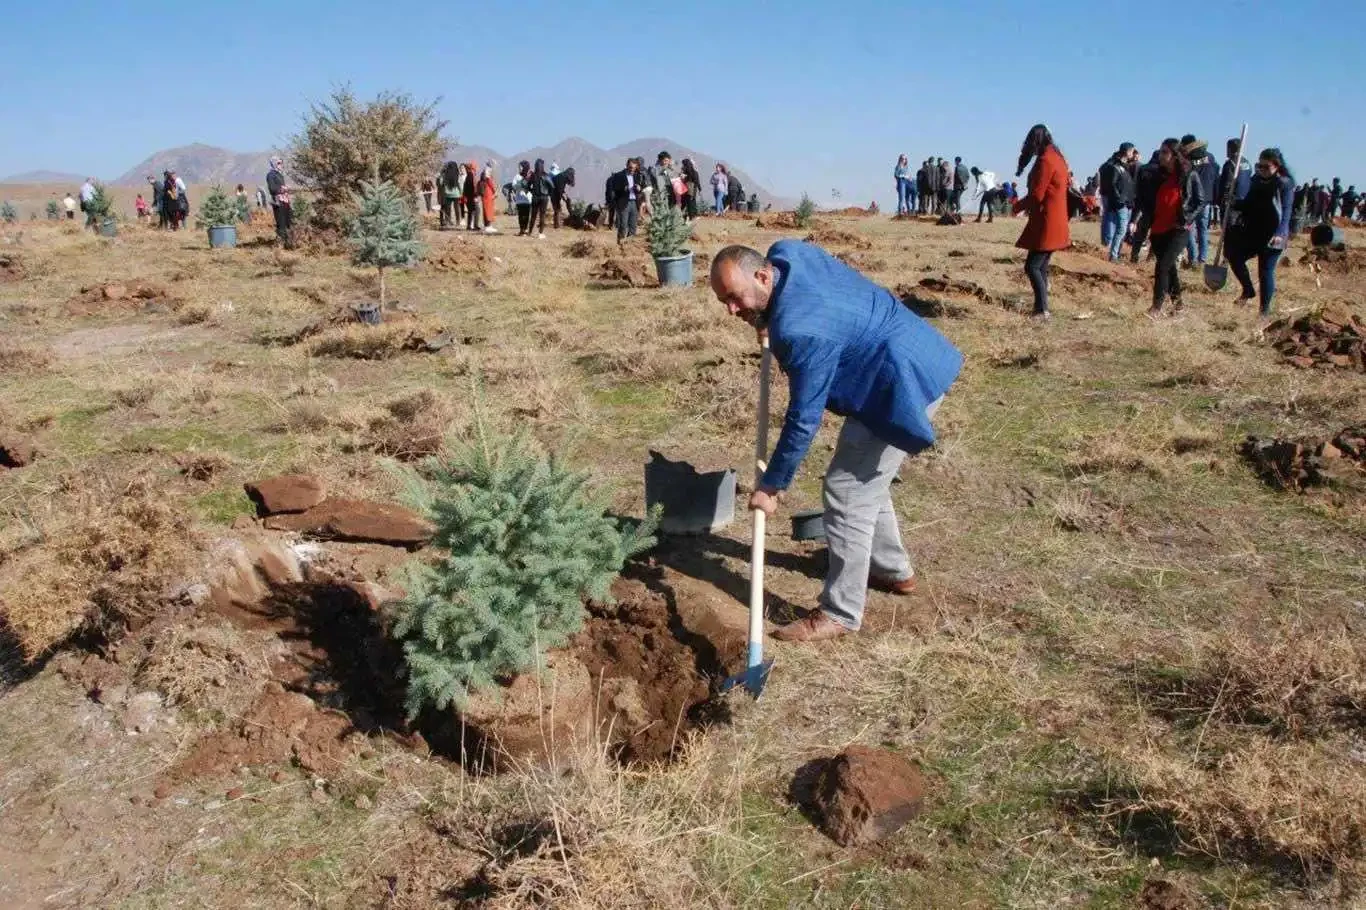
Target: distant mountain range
point(206, 164)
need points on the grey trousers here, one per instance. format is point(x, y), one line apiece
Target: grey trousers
point(861, 530)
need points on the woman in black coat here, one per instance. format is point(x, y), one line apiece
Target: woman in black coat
point(1262, 228)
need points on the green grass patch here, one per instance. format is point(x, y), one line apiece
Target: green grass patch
point(222, 506)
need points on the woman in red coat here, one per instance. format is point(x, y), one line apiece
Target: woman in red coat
point(1046, 204)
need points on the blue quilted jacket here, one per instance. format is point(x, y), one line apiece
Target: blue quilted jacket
point(850, 347)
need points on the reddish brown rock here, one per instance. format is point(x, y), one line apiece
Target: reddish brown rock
point(114, 292)
point(359, 521)
point(16, 452)
point(864, 795)
point(286, 493)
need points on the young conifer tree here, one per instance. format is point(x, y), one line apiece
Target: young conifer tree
point(668, 230)
point(525, 542)
point(54, 211)
point(217, 210)
point(383, 233)
point(8, 213)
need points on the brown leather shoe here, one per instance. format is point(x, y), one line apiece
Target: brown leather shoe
point(815, 627)
point(900, 588)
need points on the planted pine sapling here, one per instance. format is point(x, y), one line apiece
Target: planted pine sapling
point(8, 213)
point(524, 540)
point(243, 212)
point(101, 204)
point(805, 209)
point(217, 210)
point(383, 233)
point(54, 211)
point(668, 230)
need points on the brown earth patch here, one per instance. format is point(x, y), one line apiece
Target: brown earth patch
point(615, 270)
point(582, 248)
point(120, 296)
point(1295, 464)
point(1335, 336)
point(462, 257)
point(928, 307)
point(862, 261)
point(830, 237)
point(1335, 262)
point(1076, 272)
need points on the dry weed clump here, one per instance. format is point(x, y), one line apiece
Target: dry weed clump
point(135, 396)
point(598, 836)
point(214, 669)
point(1115, 451)
point(1291, 683)
point(23, 358)
point(412, 426)
point(112, 569)
point(1296, 807)
point(379, 342)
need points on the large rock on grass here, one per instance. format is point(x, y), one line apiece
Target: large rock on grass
point(865, 794)
point(359, 521)
point(286, 493)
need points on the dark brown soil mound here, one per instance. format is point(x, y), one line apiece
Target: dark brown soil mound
point(120, 297)
point(11, 269)
point(1335, 262)
point(1334, 337)
point(463, 257)
point(616, 270)
point(830, 237)
point(1291, 464)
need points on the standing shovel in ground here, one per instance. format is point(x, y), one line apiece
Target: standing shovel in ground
point(756, 670)
point(1216, 276)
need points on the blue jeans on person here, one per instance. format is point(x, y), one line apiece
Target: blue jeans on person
point(903, 196)
point(1113, 228)
point(1267, 259)
point(1197, 239)
point(720, 201)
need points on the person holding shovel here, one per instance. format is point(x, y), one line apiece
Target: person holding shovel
point(1263, 227)
point(850, 347)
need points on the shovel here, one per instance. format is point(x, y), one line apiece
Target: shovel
point(756, 668)
point(1216, 275)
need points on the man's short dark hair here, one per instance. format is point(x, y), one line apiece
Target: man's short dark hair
point(662, 155)
point(1126, 147)
point(746, 259)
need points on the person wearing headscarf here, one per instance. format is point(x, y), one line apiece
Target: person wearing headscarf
point(488, 193)
point(472, 196)
point(280, 202)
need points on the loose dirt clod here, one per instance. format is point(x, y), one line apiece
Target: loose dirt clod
point(1291, 464)
point(461, 257)
point(864, 794)
point(1333, 337)
point(100, 299)
point(11, 269)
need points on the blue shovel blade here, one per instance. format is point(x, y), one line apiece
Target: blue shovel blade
point(753, 678)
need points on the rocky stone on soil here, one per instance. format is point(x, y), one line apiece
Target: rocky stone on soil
point(16, 451)
point(1335, 337)
point(142, 712)
point(1296, 464)
point(357, 520)
point(865, 794)
point(285, 493)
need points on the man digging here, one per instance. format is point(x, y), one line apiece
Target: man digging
point(850, 347)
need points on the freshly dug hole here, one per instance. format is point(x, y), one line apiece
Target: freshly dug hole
point(635, 681)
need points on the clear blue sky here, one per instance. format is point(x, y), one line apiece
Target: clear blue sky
point(806, 96)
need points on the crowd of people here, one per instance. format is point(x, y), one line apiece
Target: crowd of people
point(1167, 206)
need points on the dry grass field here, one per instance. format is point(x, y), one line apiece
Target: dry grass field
point(1134, 672)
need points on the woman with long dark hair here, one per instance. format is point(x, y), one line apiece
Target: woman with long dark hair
point(521, 197)
point(1179, 200)
point(542, 186)
point(692, 180)
point(1046, 205)
point(1262, 228)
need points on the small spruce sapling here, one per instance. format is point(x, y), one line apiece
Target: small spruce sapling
point(383, 233)
point(243, 212)
point(217, 210)
point(668, 230)
point(8, 212)
point(54, 211)
point(101, 204)
point(805, 209)
point(525, 542)
point(301, 212)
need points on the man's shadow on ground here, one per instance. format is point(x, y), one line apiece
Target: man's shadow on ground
point(704, 556)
